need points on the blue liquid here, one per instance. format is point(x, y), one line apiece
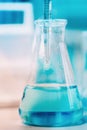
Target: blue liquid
point(51, 106)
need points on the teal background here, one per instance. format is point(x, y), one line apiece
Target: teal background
point(73, 10)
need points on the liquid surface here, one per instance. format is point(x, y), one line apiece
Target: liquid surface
point(51, 106)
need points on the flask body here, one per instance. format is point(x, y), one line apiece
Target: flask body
point(51, 97)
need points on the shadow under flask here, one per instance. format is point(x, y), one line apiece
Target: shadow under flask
point(51, 97)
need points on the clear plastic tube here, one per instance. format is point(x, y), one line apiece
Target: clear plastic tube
point(47, 9)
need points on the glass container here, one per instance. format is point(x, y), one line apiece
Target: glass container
point(51, 98)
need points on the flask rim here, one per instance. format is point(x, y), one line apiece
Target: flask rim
point(50, 22)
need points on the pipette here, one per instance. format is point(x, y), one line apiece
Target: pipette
point(47, 9)
point(47, 15)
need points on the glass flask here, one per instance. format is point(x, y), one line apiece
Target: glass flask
point(51, 97)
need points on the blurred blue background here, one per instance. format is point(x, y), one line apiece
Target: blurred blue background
point(73, 10)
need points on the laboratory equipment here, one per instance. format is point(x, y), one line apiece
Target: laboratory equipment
point(75, 49)
point(47, 9)
point(50, 98)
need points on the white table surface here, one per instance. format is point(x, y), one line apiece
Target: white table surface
point(10, 120)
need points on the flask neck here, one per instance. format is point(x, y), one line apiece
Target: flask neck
point(51, 29)
point(50, 58)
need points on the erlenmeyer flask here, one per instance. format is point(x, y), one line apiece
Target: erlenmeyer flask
point(51, 98)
